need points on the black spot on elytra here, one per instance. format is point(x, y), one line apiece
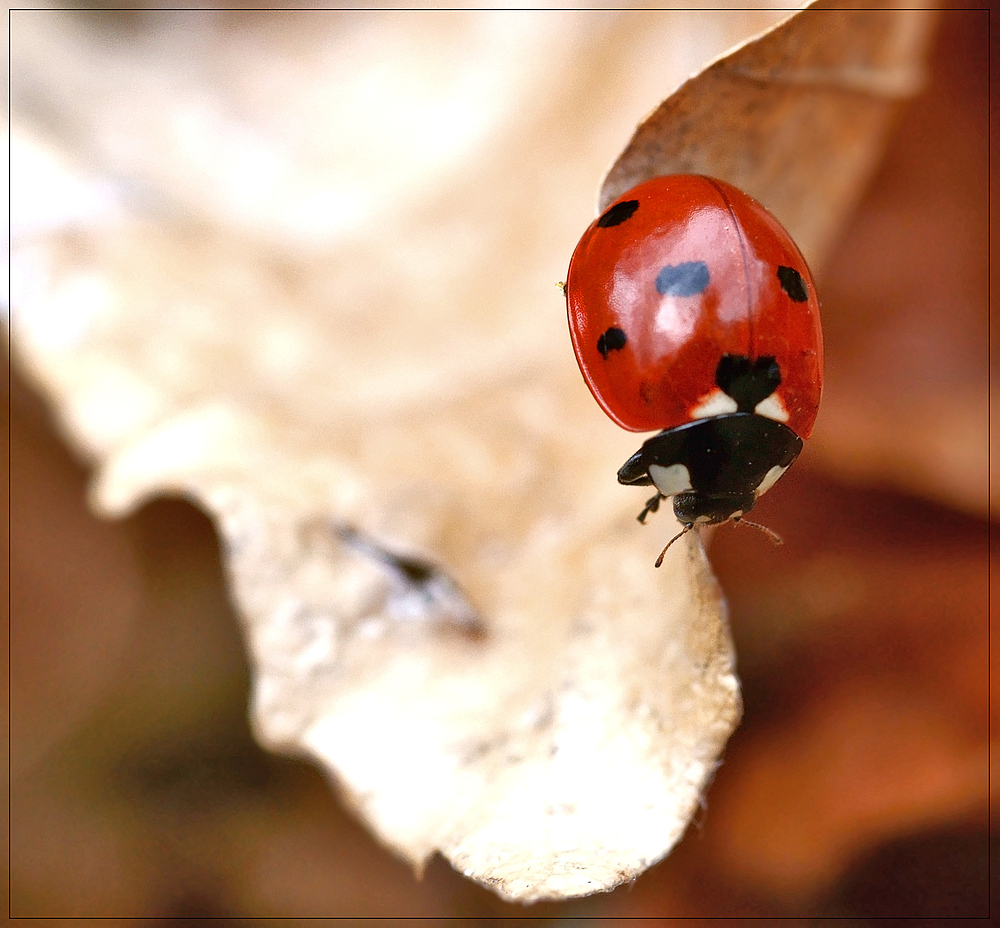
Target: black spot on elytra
point(748, 382)
point(612, 340)
point(618, 214)
point(687, 279)
point(793, 284)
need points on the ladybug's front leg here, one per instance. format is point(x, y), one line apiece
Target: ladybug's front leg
point(652, 505)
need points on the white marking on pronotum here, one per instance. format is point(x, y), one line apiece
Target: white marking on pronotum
point(770, 479)
point(715, 403)
point(773, 408)
point(670, 480)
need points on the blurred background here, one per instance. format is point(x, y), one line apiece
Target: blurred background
point(858, 784)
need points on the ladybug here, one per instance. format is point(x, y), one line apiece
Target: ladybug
point(692, 312)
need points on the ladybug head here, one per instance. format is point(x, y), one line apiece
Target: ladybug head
point(692, 507)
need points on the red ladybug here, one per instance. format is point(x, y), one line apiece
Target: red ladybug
point(693, 312)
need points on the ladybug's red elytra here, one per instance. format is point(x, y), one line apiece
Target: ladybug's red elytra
point(692, 312)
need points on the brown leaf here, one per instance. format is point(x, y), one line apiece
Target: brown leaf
point(906, 295)
point(796, 117)
point(339, 334)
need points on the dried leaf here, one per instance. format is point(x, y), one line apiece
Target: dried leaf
point(796, 118)
point(446, 598)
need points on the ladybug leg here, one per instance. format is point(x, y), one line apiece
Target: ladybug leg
point(652, 505)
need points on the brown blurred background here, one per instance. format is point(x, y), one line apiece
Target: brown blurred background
point(857, 785)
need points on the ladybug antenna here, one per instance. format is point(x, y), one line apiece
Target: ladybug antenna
point(687, 528)
point(773, 537)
